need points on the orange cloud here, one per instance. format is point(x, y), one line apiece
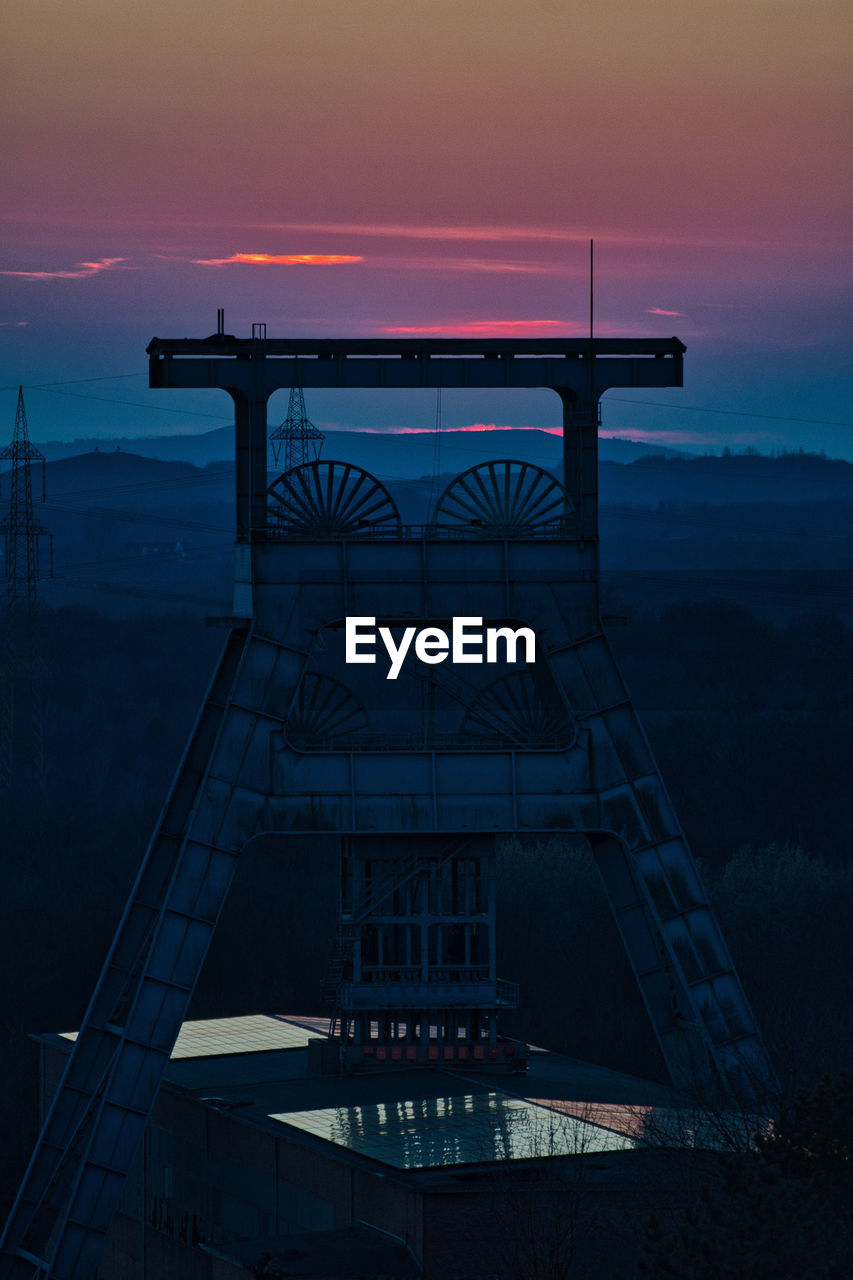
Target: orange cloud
point(280, 259)
point(80, 272)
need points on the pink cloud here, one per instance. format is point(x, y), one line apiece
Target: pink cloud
point(503, 329)
point(280, 260)
point(489, 328)
point(81, 271)
point(14, 324)
point(409, 231)
point(515, 232)
point(472, 426)
point(499, 265)
point(680, 436)
point(659, 311)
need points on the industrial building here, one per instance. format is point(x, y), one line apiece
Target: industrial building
point(256, 1163)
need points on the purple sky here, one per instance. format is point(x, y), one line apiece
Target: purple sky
point(432, 167)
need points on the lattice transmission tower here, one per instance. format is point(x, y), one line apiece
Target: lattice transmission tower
point(301, 440)
point(21, 683)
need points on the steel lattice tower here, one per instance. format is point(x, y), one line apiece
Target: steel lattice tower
point(303, 442)
point(22, 727)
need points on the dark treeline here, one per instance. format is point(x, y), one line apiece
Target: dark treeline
point(750, 721)
point(140, 534)
point(728, 478)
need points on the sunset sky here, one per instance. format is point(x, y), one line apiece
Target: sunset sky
point(351, 167)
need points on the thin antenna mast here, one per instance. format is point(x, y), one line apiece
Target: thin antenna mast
point(591, 357)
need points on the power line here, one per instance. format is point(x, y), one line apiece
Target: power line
point(141, 516)
point(133, 404)
point(119, 588)
point(152, 559)
point(731, 413)
point(696, 516)
point(621, 578)
point(671, 579)
point(53, 389)
point(72, 382)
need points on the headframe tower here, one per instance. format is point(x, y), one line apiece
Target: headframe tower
point(416, 778)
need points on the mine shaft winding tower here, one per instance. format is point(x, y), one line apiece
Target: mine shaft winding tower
point(416, 778)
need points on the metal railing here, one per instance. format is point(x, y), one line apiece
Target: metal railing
point(556, 529)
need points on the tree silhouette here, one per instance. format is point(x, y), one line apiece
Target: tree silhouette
point(783, 1211)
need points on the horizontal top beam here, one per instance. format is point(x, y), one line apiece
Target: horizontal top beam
point(257, 378)
point(225, 345)
point(575, 367)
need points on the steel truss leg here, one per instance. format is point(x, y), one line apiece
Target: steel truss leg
point(700, 1016)
point(75, 1179)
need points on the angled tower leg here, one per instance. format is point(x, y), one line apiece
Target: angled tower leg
point(76, 1176)
point(700, 1015)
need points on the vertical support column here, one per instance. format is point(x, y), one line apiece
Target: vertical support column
point(421, 905)
point(250, 424)
point(250, 436)
point(492, 914)
point(580, 458)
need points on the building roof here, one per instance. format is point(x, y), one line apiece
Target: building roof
point(459, 1127)
point(413, 1120)
point(223, 1037)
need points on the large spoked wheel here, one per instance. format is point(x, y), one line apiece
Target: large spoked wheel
point(323, 711)
point(504, 498)
point(331, 499)
point(517, 708)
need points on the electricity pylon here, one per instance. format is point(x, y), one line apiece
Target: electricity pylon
point(21, 683)
point(302, 441)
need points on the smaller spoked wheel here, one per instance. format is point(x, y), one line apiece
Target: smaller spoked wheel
point(331, 499)
point(518, 708)
point(323, 711)
point(503, 497)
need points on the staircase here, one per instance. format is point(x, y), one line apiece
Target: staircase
point(347, 930)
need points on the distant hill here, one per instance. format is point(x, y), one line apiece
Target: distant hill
point(404, 462)
point(407, 454)
point(408, 460)
point(208, 446)
point(101, 473)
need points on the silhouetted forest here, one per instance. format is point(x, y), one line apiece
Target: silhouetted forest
point(782, 1210)
point(751, 723)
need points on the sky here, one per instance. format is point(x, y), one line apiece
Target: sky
point(362, 167)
